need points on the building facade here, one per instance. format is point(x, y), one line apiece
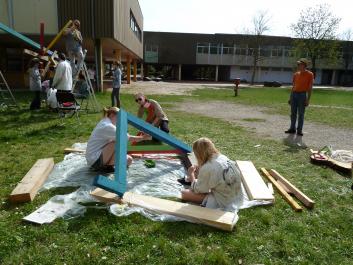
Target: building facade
point(111, 29)
point(224, 57)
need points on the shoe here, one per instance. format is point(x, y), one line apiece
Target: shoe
point(291, 131)
point(182, 181)
point(300, 133)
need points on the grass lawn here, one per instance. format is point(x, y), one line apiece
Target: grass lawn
point(334, 108)
point(268, 235)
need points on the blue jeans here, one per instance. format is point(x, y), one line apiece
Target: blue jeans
point(297, 109)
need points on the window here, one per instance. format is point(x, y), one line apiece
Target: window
point(265, 52)
point(276, 52)
point(213, 49)
point(240, 51)
point(244, 67)
point(228, 50)
point(202, 49)
point(135, 27)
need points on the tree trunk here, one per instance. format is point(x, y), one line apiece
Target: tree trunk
point(254, 69)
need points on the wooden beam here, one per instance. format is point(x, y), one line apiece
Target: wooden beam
point(293, 189)
point(281, 191)
point(58, 36)
point(253, 183)
point(212, 217)
point(73, 150)
point(27, 189)
point(34, 54)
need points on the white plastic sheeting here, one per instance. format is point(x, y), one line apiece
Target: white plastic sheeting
point(73, 171)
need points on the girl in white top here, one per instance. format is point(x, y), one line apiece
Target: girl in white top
point(100, 150)
point(218, 183)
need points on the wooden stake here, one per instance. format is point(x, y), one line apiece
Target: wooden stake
point(296, 192)
point(281, 191)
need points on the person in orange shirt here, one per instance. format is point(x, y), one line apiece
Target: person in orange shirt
point(300, 96)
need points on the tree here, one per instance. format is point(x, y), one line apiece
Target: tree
point(260, 25)
point(316, 31)
point(347, 54)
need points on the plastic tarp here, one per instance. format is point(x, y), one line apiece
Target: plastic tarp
point(160, 181)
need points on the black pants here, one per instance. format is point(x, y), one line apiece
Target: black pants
point(116, 97)
point(164, 126)
point(35, 104)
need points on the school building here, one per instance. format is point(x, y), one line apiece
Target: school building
point(111, 29)
point(224, 57)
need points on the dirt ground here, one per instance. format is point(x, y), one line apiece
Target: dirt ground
point(272, 125)
point(253, 118)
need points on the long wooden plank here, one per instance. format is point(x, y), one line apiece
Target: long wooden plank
point(35, 54)
point(281, 191)
point(58, 36)
point(212, 217)
point(27, 188)
point(253, 183)
point(296, 192)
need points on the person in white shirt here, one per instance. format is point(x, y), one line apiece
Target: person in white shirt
point(63, 75)
point(100, 152)
point(215, 181)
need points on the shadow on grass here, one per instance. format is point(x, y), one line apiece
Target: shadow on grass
point(294, 143)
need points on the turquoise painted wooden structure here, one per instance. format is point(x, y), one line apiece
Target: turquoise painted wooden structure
point(119, 184)
point(22, 37)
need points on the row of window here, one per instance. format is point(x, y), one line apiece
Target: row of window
point(265, 52)
point(135, 27)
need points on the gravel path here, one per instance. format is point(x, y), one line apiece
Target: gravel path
point(272, 125)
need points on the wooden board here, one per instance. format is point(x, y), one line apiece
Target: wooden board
point(73, 150)
point(27, 188)
point(293, 189)
point(253, 182)
point(35, 54)
point(212, 217)
point(281, 191)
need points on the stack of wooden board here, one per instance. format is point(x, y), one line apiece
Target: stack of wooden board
point(285, 188)
point(212, 217)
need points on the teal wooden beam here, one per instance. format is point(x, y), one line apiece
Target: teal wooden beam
point(119, 184)
point(157, 133)
point(21, 37)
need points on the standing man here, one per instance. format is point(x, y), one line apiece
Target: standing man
point(63, 74)
point(155, 113)
point(300, 96)
point(116, 84)
point(74, 45)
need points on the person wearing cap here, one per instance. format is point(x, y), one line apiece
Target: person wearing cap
point(100, 152)
point(300, 96)
point(63, 75)
point(35, 83)
point(116, 84)
point(155, 113)
point(73, 45)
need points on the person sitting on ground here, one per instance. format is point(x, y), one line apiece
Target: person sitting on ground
point(63, 75)
point(35, 83)
point(155, 113)
point(100, 152)
point(218, 183)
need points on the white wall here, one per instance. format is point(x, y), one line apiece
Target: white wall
point(262, 76)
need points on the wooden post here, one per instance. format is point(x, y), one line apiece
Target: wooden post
point(135, 70)
point(99, 63)
point(179, 73)
point(216, 74)
point(128, 69)
point(41, 39)
point(118, 55)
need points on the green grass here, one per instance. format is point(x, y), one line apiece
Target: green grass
point(334, 108)
point(269, 235)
